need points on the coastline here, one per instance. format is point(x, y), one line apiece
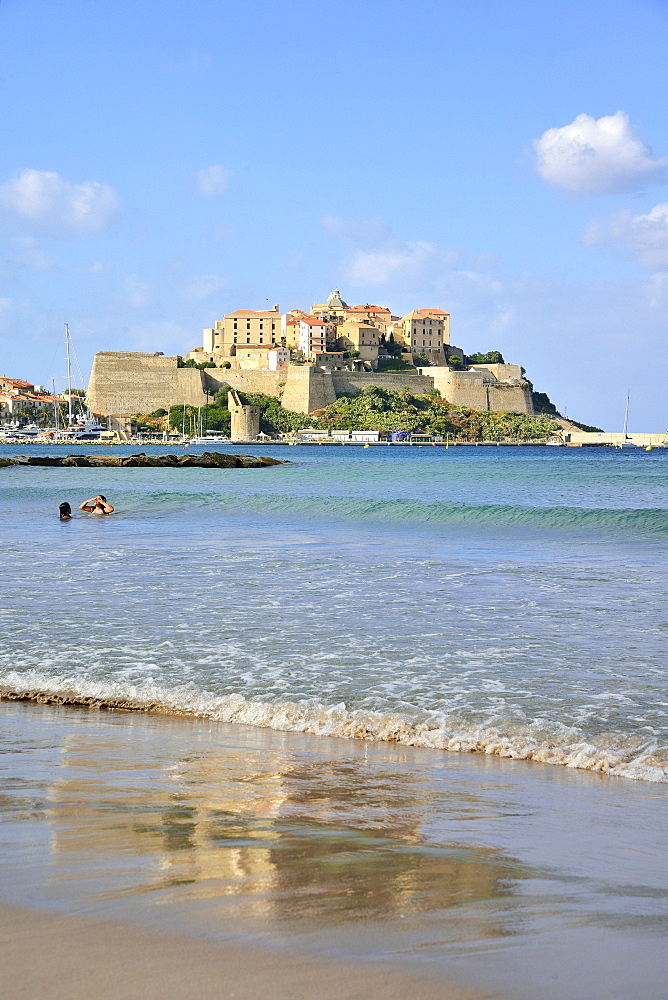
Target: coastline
point(612, 759)
point(74, 958)
point(202, 853)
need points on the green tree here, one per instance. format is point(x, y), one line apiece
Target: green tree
point(491, 358)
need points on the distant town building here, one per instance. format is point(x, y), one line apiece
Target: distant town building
point(257, 357)
point(424, 333)
point(21, 402)
point(333, 310)
point(315, 336)
point(359, 336)
point(307, 360)
point(240, 328)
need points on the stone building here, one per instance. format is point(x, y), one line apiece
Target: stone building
point(426, 333)
point(245, 326)
point(244, 419)
point(356, 335)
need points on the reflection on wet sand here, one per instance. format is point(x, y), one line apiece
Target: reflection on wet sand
point(269, 835)
point(533, 883)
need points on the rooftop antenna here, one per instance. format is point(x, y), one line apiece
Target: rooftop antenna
point(69, 375)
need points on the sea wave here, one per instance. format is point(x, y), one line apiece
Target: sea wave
point(629, 520)
point(615, 756)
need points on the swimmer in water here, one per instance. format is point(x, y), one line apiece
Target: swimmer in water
point(97, 505)
point(65, 512)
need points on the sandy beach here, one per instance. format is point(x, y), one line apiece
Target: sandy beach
point(68, 958)
point(180, 853)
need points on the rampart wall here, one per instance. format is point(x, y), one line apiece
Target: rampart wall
point(134, 382)
point(254, 380)
point(352, 383)
point(477, 391)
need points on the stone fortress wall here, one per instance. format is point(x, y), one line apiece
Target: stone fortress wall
point(135, 382)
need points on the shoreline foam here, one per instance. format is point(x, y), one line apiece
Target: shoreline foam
point(573, 751)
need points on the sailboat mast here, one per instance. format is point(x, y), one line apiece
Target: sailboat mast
point(626, 415)
point(69, 375)
point(55, 405)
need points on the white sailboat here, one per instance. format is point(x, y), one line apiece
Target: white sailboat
point(83, 430)
point(626, 441)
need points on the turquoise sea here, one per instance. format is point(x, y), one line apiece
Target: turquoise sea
point(506, 600)
point(498, 616)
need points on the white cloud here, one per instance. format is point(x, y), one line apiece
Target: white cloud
point(597, 156)
point(418, 273)
point(646, 236)
point(5, 304)
point(203, 286)
point(45, 200)
point(212, 181)
point(407, 262)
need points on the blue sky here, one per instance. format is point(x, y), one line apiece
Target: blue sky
point(165, 163)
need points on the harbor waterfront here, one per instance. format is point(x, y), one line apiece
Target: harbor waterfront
point(421, 697)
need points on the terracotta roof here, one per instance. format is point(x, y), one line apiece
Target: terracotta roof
point(312, 321)
point(255, 312)
point(17, 383)
point(368, 308)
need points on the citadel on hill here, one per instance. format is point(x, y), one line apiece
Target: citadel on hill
point(308, 360)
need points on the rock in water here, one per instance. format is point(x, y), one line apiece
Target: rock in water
point(207, 460)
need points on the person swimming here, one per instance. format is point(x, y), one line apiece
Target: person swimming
point(65, 512)
point(97, 505)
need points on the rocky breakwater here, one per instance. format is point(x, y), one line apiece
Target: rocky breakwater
point(207, 460)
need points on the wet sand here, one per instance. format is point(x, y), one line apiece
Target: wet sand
point(68, 958)
point(185, 853)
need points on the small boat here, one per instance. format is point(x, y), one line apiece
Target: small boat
point(626, 442)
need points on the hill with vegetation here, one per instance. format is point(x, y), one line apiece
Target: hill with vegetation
point(375, 409)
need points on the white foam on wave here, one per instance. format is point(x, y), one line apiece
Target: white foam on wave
point(569, 749)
